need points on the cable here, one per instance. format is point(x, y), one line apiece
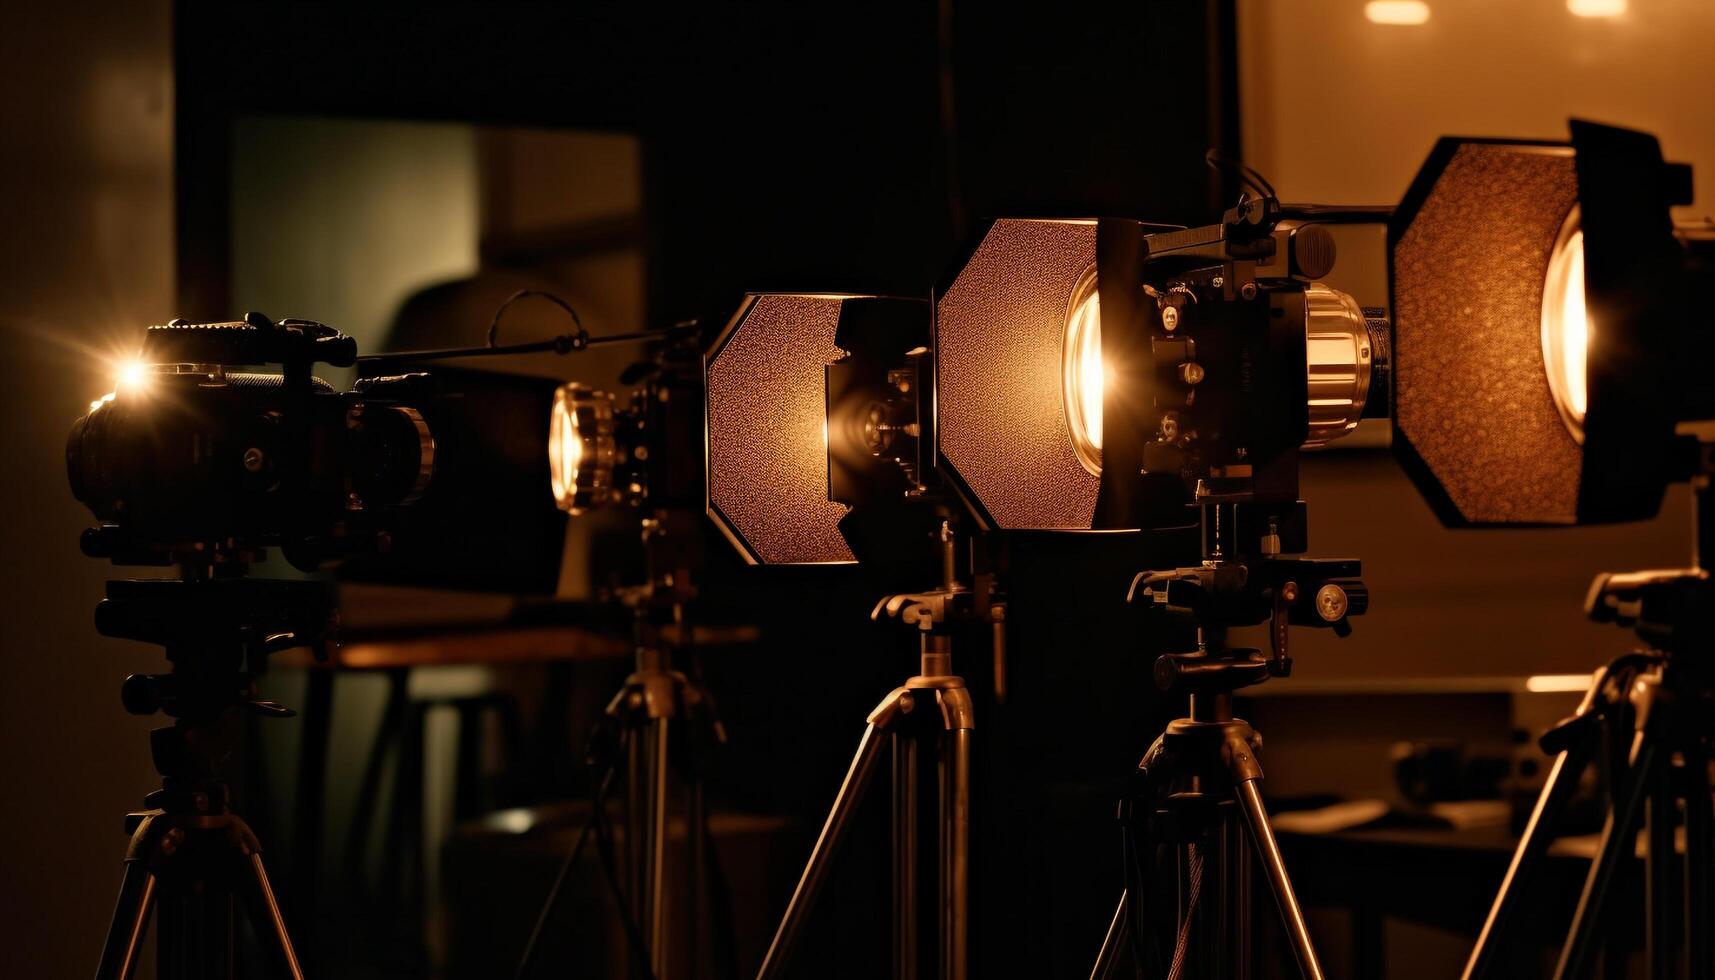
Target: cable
point(577, 340)
point(1195, 866)
point(565, 343)
point(1247, 175)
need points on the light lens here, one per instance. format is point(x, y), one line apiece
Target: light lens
point(565, 449)
point(1082, 373)
point(1566, 327)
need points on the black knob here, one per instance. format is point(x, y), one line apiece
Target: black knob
point(140, 695)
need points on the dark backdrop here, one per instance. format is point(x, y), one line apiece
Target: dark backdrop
point(819, 147)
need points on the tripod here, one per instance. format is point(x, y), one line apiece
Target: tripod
point(643, 711)
point(1666, 696)
point(1195, 803)
point(897, 722)
point(190, 856)
point(636, 732)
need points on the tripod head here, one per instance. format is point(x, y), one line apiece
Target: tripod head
point(936, 612)
point(217, 633)
point(1241, 584)
point(1667, 608)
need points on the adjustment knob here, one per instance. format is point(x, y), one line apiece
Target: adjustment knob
point(139, 696)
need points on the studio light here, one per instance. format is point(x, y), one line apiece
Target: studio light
point(803, 419)
point(1032, 367)
point(1545, 319)
point(1020, 375)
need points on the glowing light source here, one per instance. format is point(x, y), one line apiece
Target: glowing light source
point(565, 449)
point(1082, 374)
point(1406, 13)
point(1556, 683)
point(1596, 8)
point(131, 374)
point(1566, 327)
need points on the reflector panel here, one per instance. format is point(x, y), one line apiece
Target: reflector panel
point(1475, 421)
point(767, 445)
point(999, 331)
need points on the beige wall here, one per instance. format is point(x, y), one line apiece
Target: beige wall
point(86, 251)
point(1339, 110)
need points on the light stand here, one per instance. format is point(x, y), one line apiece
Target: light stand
point(1193, 816)
point(190, 855)
point(1666, 695)
point(637, 731)
point(897, 722)
point(644, 710)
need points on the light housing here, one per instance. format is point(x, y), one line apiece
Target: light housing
point(1488, 416)
point(783, 437)
point(1018, 341)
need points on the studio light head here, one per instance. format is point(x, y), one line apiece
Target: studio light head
point(814, 404)
point(1194, 355)
point(642, 448)
point(1549, 328)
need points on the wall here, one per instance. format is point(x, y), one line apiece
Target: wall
point(1341, 110)
point(86, 258)
point(1337, 109)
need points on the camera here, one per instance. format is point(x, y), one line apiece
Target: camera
point(200, 457)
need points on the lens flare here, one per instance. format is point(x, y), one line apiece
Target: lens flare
point(131, 375)
point(1083, 375)
point(1566, 327)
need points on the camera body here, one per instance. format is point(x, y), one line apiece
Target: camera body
point(1229, 358)
point(200, 459)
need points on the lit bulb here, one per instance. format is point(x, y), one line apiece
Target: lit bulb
point(1083, 375)
point(565, 448)
point(1566, 327)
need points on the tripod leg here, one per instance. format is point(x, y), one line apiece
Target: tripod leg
point(851, 792)
point(130, 923)
point(1562, 782)
point(697, 839)
point(1697, 868)
point(905, 956)
point(1119, 932)
point(657, 892)
point(275, 923)
point(1661, 911)
point(955, 853)
point(631, 846)
point(1268, 849)
point(1242, 907)
point(1619, 833)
